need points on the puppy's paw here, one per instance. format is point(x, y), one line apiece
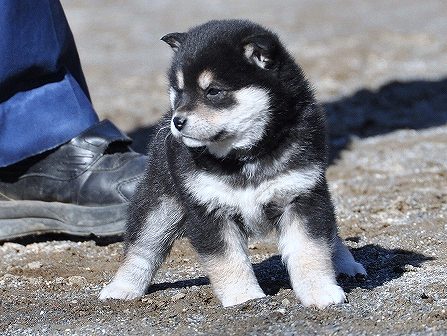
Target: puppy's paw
point(233, 298)
point(350, 268)
point(322, 296)
point(120, 290)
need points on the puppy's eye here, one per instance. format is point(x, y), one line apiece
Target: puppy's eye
point(213, 93)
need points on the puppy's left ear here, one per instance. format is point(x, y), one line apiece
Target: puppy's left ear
point(174, 40)
point(261, 50)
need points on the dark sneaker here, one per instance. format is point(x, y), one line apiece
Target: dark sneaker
point(81, 188)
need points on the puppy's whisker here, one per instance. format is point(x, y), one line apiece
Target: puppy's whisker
point(167, 137)
point(161, 129)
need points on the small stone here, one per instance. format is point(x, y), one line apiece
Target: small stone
point(59, 280)
point(34, 265)
point(147, 300)
point(77, 280)
point(178, 296)
point(35, 281)
point(285, 302)
point(410, 268)
point(282, 311)
point(427, 298)
point(13, 246)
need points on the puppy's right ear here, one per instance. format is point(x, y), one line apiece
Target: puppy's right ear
point(174, 39)
point(261, 50)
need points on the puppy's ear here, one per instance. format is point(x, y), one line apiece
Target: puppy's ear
point(261, 50)
point(174, 39)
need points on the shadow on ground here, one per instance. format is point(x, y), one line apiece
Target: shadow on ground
point(382, 265)
point(200, 281)
point(100, 241)
point(397, 105)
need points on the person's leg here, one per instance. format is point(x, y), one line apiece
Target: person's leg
point(62, 171)
point(44, 100)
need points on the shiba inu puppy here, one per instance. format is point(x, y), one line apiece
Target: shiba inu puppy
point(242, 152)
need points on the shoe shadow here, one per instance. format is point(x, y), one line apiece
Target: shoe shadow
point(100, 241)
point(200, 281)
point(397, 105)
point(382, 265)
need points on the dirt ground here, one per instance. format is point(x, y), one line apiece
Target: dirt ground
point(379, 68)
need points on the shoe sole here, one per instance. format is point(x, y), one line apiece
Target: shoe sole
point(24, 218)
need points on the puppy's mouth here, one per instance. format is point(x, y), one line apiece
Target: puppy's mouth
point(197, 142)
point(193, 142)
point(221, 136)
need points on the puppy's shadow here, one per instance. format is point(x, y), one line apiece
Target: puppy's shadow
point(382, 265)
point(396, 105)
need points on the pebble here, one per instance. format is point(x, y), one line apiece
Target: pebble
point(34, 265)
point(147, 300)
point(77, 280)
point(35, 281)
point(12, 246)
point(410, 268)
point(285, 302)
point(177, 296)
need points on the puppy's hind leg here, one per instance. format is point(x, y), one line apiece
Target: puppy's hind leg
point(146, 251)
point(229, 269)
point(344, 262)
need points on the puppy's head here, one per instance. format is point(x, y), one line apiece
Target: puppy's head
point(221, 82)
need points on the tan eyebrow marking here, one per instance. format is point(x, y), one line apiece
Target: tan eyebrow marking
point(205, 79)
point(180, 80)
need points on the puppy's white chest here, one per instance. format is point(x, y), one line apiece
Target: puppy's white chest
point(215, 193)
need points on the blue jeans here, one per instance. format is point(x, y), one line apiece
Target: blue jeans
point(44, 99)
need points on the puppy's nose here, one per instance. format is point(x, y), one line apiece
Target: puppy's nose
point(179, 122)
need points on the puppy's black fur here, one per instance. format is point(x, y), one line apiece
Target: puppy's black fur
point(297, 119)
point(239, 54)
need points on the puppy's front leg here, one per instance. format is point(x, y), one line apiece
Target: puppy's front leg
point(228, 266)
point(147, 249)
point(308, 260)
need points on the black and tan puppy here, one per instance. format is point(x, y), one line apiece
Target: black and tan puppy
point(241, 153)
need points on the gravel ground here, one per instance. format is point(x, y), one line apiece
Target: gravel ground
point(379, 69)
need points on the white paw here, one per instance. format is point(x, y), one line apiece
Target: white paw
point(231, 299)
point(120, 290)
point(351, 268)
point(322, 296)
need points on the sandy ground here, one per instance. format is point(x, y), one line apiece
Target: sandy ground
point(380, 70)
